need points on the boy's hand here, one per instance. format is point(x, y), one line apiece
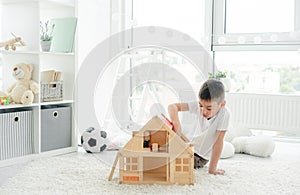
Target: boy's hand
point(173, 110)
point(217, 172)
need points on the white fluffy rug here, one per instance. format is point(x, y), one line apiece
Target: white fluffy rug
point(86, 174)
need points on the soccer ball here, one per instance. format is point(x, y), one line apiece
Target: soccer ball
point(94, 140)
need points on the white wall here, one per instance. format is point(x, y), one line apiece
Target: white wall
point(93, 25)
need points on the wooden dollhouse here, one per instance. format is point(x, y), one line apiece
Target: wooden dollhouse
point(156, 155)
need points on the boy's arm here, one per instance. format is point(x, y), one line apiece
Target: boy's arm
point(173, 110)
point(216, 153)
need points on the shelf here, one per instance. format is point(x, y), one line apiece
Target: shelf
point(34, 118)
point(48, 3)
point(35, 52)
point(57, 102)
point(18, 52)
point(44, 2)
point(16, 1)
point(12, 106)
point(57, 53)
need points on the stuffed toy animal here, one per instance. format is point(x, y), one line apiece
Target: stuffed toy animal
point(243, 141)
point(22, 91)
point(259, 145)
point(2, 94)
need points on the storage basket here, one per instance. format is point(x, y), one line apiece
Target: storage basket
point(16, 133)
point(51, 91)
point(56, 127)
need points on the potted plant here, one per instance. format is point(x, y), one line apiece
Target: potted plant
point(222, 76)
point(46, 35)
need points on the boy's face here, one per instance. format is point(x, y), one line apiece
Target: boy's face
point(210, 108)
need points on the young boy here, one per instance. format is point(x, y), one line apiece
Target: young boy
point(211, 124)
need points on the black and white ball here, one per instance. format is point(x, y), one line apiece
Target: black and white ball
point(94, 140)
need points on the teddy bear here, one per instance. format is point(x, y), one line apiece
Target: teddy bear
point(2, 94)
point(23, 90)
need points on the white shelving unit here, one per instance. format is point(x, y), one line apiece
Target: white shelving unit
point(22, 18)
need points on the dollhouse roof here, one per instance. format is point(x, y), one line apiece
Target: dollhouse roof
point(157, 123)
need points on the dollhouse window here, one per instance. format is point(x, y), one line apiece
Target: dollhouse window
point(130, 164)
point(182, 164)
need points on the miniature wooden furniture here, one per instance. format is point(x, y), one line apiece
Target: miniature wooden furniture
point(155, 155)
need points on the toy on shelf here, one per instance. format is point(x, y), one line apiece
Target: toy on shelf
point(4, 100)
point(23, 90)
point(155, 155)
point(12, 43)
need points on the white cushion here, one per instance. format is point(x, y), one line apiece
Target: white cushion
point(228, 150)
point(259, 145)
point(237, 131)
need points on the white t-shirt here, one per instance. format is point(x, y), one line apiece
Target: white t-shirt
point(205, 131)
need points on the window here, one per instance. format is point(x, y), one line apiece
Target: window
point(258, 43)
point(182, 165)
point(130, 163)
point(256, 23)
point(250, 16)
point(185, 16)
point(259, 51)
point(273, 72)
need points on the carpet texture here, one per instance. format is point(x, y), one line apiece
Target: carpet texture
point(86, 174)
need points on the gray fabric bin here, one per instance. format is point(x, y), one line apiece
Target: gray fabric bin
point(16, 133)
point(56, 128)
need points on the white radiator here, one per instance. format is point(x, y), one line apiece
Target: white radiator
point(266, 112)
point(16, 134)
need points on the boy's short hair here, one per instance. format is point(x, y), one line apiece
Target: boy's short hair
point(212, 89)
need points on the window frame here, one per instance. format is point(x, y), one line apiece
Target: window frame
point(283, 39)
point(130, 163)
point(181, 166)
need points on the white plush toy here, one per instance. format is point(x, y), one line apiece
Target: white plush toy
point(228, 150)
point(259, 145)
point(23, 90)
point(244, 142)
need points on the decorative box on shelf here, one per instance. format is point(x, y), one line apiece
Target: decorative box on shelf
point(51, 91)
